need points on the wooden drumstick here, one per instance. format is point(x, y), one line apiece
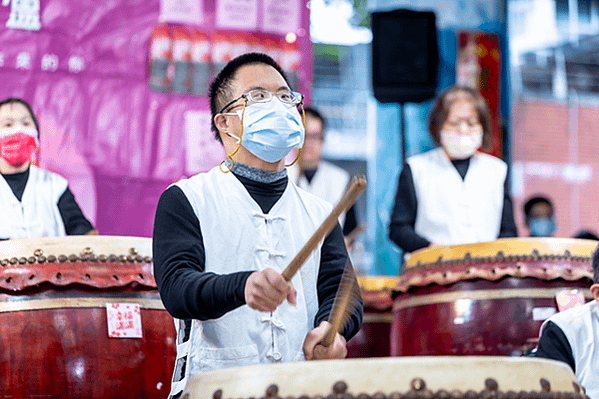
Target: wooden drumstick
point(346, 301)
point(357, 185)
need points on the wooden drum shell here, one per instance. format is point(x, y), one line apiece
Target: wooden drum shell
point(53, 322)
point(481, 300)
point(373, 338)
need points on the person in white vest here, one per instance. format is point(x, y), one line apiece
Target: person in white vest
point(35, 203)
point(223, 237)
point(572, 336)
point(453, 194)
point(319, 177)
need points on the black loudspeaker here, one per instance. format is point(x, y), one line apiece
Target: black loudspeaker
point(405, 56)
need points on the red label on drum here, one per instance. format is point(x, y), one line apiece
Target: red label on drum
point(124, 320)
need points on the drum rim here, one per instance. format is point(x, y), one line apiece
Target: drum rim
point(508, 246)
point(67, 245)
point(61, 261)
point(377, 283)
point(540, 258)
point(213, 379)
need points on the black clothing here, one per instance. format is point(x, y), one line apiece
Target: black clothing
point(75, 223)
point(17, 183)
point(309, 173)
point(553, 344)
point(403, 218)
point(178, 248)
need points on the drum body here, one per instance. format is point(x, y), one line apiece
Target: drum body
point(373, 338)
point(392, 377)
point(53, 320)
point(484, 299)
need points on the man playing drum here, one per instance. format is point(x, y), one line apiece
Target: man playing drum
point(572, 336)
point(222, 238)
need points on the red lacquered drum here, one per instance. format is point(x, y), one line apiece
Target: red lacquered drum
point(484, 299)
point(373, 338)
point(53, 320)
point(439, 377)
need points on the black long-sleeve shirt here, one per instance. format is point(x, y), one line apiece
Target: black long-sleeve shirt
point(553, 344)
point(403, 218)
point(188, 292)
point(75, 222)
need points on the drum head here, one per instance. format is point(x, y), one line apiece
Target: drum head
point(502, 248)
point(387, 375)
point(97, 261)
point(69, 245)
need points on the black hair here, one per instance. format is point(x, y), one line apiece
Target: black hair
point(587, 235)
point(536, 200)
point(313, 112)
point(596, 265)
point(442, 105)
point(220, 91)
point(16, 100)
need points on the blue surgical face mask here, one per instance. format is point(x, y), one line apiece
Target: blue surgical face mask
point(542, 226)
point(271, 129)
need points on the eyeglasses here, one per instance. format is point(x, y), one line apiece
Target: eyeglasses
point(263, 96)
point(462, 124)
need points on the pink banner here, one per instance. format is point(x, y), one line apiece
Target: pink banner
point(120, 143)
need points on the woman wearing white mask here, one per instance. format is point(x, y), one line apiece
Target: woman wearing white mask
point(34, 202)
point(453, 194)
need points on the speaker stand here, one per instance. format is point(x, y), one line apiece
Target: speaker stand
point(402, 132)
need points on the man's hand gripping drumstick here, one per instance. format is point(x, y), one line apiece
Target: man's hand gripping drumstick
point(266, 290)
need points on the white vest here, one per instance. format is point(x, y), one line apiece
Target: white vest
point(581, 327)
point(239, 236)
point(37, 214)
point(329, 182)
point(454, 211)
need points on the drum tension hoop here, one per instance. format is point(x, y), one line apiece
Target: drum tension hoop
point(87, 255)
point(419, 391)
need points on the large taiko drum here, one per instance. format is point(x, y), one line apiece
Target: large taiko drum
point(485, 299)
point(373, 338)
point(439, 377)
point(57, 296)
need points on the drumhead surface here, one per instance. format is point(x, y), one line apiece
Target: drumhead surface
point(98, 245)
point(503, 247)
point(97, 261)
point(377, 283)
point(387, 375)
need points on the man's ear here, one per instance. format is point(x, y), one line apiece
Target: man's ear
point(595, 291)
point(221, 122)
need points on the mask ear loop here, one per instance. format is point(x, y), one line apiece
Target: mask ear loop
point(230, 156)
point(299, 152)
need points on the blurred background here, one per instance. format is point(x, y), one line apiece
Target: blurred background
point(119, 88)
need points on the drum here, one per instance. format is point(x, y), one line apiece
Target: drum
point(373, 338)
point(484, 299)
point(468, 377)
point(80, 317)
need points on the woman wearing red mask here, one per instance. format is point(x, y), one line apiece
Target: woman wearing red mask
point(34, 202)
point(453, 194)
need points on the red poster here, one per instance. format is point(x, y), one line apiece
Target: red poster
point(479, 66)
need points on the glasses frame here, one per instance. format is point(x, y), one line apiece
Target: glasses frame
point(247, 98)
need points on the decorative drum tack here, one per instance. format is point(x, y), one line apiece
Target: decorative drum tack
point(373, 338)
point(484, 299)
point(422, 377)
point(54, 300)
